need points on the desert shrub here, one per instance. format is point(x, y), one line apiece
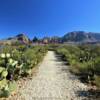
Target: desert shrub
point(97, 80)
point(83, 59)
point(97, 66)
point(74, 67)
point(17, 62)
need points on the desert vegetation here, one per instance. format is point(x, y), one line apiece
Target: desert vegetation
point(84, 60)
point(17, 62)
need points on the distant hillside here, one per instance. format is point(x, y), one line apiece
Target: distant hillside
point(81, 36)
point(20, 38)
point(73, 37)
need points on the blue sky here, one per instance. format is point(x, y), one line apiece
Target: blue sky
point(48, 17)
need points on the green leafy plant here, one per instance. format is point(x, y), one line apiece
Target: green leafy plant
point(17, 62)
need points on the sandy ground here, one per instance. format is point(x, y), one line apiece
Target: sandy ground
point(52, 81)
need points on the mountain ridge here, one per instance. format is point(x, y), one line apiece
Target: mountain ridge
point(81, 36)
point(74, 36)
point(20, 38)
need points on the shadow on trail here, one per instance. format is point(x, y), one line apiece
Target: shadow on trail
point(60, 59)
point(90, 94)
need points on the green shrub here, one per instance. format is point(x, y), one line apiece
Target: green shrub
point(97, 65)
point(83, 59)
point(4, 93)
point(97, 81)
point(17, 62)
point(12, 86)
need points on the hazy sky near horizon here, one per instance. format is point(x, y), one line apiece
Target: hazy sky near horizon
point(48, 17)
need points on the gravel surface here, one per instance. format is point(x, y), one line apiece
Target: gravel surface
point(52, 81)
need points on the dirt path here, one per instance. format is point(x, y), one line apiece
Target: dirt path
point(52, 82)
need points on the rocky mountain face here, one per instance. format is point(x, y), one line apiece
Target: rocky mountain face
point(18, 39)
point(81, 36)
point(22, 38)
point(74, 37)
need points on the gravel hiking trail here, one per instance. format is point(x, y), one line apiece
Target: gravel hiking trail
point(52, 81)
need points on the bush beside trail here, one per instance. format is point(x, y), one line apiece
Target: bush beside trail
point(84, 60)
point(17, 62)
